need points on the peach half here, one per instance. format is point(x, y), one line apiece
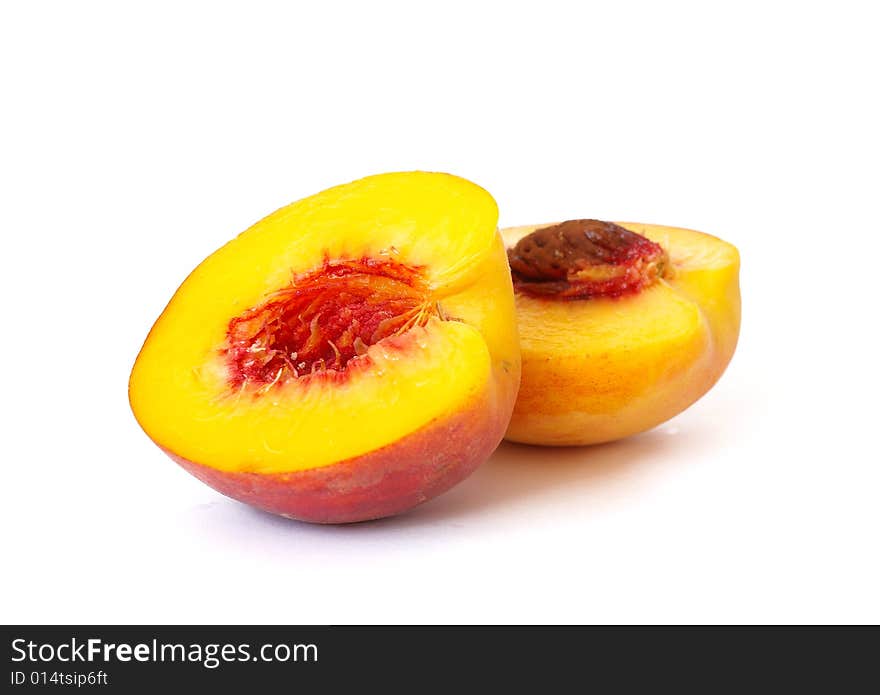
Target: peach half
point(346, 358)
point(622, 326)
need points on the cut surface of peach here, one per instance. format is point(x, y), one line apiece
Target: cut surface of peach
point(613, 348)
point(346, 358)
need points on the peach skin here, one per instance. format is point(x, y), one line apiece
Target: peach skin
point(622, 326)
point(346, 358)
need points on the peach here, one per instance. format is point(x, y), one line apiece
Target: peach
point(346, 358)
point(622, 326)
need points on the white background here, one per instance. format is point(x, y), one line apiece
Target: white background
point(135, 142)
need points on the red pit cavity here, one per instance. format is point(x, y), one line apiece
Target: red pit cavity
point(323, 321)
point(584, 259)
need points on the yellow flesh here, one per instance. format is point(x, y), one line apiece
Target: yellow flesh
point(178, 388)
point(599, 369)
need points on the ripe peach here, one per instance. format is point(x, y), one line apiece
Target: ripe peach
point(346, 358)
point(621, 326)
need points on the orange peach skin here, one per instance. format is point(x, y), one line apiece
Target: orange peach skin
point(377, 484)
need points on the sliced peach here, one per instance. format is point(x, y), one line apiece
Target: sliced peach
point(346, 358)
point(621, 326)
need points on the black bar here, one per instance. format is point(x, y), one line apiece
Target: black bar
point(132, 659)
